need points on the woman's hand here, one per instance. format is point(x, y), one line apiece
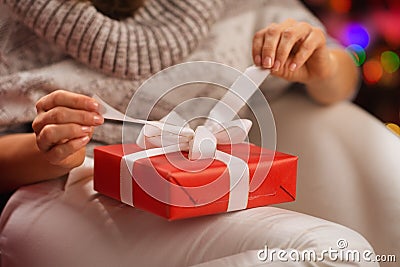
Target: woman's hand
point(64, 125)
point(295, 51)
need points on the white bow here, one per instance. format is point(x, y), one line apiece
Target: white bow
point(201, 143)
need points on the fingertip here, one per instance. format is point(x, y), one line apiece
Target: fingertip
point(276, 66)
point(267, 63)
point(98, 119)
point(93, 105)
point(293, 67)
point(86, 129)
point(84, 140)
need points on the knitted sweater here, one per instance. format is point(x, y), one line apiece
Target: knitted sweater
point(51, 44)
point(159, 35)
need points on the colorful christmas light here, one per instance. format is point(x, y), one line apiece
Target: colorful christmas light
point(358, 53)
point(355, 33)
point(372, 71)
point(390, 61)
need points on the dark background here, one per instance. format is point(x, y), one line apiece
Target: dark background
point(370, 30)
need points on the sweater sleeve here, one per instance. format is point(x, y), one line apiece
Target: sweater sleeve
point(158, 35)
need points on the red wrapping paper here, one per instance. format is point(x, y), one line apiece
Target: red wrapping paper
point(279, 185)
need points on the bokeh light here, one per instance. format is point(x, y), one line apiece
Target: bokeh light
point(390, 61)
point(373, 26)
point(358, 54)
point(387, 23)
point(394, 128)
point(356, 34)
point(372, 71)
point(340, 6)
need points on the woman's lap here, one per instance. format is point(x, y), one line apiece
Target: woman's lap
point(49, 225)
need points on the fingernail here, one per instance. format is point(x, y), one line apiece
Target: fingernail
point(276, 65)
point(257, 60)
point(93, 106)
point(98, 119)
point(86, 129)
point(292, 66)
point(85, 139)
point(267, 62)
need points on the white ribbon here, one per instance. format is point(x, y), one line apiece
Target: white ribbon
point(159, 137)
point(201, 144)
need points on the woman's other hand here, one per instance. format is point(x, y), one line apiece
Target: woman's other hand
point(295, 51)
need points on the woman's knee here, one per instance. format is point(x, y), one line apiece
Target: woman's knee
point(332, 244)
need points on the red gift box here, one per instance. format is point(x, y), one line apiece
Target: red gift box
point(278, 186)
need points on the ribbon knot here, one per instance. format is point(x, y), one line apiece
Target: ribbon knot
point(200, 143)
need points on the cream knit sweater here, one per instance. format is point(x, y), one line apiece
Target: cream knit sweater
point(159, 35)
point(50, 44)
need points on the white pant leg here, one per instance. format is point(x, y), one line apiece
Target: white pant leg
point(349, 169)
point(43, 225)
